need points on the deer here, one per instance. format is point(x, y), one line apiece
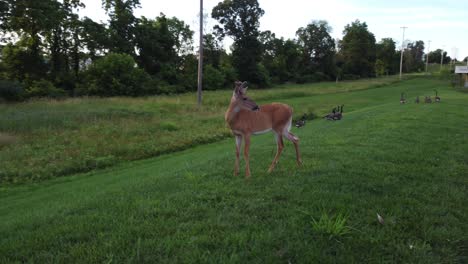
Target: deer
point(245, 118)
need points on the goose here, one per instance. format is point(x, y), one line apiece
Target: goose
point(402, 98)
point(428, 100)
point(338, 115)
point(330, 115)
point(437, 98)
point(301, 122)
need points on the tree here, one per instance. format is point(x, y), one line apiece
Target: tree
point(155, 44)
point(434, 56)
point(94, 37)
point(64, 44)
point(379, 67)
point(182, 35)
point(240, 19)
point(31, 20)
point(212, 51)
point(358, 50)
point(4, 10)
point(122, 24)
point(387, 54)
point(414, 56)
point(280, 57)
point(113, 75)
point(318, 48)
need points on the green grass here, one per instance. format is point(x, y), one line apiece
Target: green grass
point(406, 162)
point(46, 138)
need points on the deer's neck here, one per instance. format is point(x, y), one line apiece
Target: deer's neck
point(231, 113)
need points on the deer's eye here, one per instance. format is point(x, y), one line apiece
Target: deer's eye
point(245, 99)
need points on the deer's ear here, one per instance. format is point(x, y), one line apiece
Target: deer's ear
point(244, 87)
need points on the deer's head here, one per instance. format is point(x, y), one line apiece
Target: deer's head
point(240, 99)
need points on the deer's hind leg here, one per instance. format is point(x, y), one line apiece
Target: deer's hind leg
point(295, 140)
point(280, 146)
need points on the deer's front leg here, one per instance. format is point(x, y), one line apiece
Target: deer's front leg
point(246, 155)
point(238, 148)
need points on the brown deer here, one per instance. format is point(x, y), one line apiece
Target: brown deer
point(246, 118)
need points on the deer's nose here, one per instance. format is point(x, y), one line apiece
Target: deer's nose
point(256, 108)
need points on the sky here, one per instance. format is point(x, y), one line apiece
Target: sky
point(443, 22)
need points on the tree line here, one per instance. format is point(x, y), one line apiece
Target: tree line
point(48, 50)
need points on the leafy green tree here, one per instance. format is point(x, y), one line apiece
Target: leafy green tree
point(155, 44)
point(181, 34)
point(4, 10)
point(434, 56)
point(318, 48)
point(212, 51)
point(114, 75)
point(280, 57)
point(64, 44)
point(94, 37)
point(122, 24)
point(379, 67)
point(387, 54)
point(413, 56)
point(240, 19)
point(31, 20)
point(358, 50)
point(21, 63)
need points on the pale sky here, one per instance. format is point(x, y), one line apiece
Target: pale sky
point(444, 22)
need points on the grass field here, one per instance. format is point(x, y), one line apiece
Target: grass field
point(56, 138)
point(407, 163)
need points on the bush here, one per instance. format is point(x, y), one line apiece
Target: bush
point(230, 75)
point(315, 77)
point(262, 76)
point(11, 91)
point(212, 78)
point(115, 74)
point(156, 86)
point(44, 88)
point(351, 77)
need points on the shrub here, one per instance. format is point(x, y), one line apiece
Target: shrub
point(351, 77)
point(114, 74)
point(44, 88)
point(156, 86)
point(315, 77)
point(262, 76)
point(212, 78)
point(11, 91)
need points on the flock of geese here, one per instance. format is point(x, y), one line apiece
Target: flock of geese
point(336, 114)
point(427, 99)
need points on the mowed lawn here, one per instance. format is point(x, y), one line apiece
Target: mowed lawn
point(408, 163)
point(43, 139)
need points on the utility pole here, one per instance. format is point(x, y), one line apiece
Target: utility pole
point(427, 55)
point(200, 58)
point(441, 59)
point(402, 49)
